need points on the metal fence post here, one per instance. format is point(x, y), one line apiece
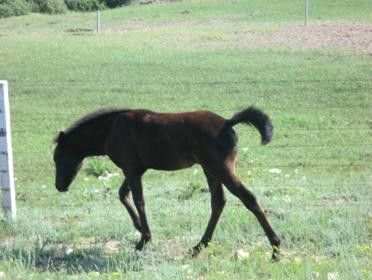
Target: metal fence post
point(306, 4)
point(98, 21)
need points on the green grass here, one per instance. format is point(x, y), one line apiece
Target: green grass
point(177, 57)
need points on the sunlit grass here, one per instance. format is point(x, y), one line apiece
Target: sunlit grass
point(313, 180)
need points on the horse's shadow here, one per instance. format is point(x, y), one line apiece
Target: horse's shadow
point(72, 261)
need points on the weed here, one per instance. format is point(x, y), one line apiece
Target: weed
point(189, 191)
point(96, 167)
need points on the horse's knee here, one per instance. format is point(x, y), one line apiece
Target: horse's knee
point(218, 203)
point(140, 204)
point(222, 201)
point(123, 192)
point(217, 196)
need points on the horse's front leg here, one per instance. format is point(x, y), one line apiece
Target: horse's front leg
point(124, 198)
point(135, 184)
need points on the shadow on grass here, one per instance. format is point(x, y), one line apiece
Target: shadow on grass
point(54, 259)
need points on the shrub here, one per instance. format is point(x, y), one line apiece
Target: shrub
point(10, 8)
point(85, 5)
point(92, 5)
point(116, 3)
point(22, 7)
point(49, 6)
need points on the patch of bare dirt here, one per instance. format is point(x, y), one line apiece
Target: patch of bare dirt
point(112, 246)
point(337, 201)
point(353, 37)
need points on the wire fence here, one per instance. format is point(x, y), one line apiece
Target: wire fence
point(111, 83)
point(358, 135)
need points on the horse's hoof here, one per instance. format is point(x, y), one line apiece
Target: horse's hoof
point(141, 244)
point(196, 250)
point(275, 255)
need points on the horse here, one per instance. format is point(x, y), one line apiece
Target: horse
point(138, 140)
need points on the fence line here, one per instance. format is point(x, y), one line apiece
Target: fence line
point(296, 108)
point(219, 82)
point(268, 211)
point(271, 146)
point(291, 129)
point(259, 165)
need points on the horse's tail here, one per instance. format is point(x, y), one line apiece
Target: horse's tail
point(257, 118)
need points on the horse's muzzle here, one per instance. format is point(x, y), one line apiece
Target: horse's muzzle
point(62, 190)
point(62, 186)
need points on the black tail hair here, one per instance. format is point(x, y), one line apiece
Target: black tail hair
point(257, 118)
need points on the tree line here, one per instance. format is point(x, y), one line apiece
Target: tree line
point(10, 8)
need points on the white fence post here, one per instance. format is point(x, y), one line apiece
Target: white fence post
point(6, 153)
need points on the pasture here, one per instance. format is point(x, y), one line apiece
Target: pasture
point(313, 179)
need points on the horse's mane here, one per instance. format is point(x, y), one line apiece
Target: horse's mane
point(87, 119)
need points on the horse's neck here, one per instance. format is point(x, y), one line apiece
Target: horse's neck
point(90, 140)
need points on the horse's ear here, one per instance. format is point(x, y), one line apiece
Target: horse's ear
point(60, 138)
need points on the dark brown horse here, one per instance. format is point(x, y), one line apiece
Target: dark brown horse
point(137, 140)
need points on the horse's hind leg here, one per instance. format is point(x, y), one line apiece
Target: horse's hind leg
point(124, 198)
point(136, 188)
point(218, 201)
point(236, 187)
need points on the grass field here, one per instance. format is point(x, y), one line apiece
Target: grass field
point(313, 180)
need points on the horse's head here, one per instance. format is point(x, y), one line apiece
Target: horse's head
point(67, 163)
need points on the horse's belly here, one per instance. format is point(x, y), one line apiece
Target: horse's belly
point(170, 163)
point(162, 153)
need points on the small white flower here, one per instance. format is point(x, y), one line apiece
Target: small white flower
point(107, 176)
point(187, 268)
point(69, 251)
point(332, 276)
point(241, 254)
point(316, 274)
point(275, 171)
